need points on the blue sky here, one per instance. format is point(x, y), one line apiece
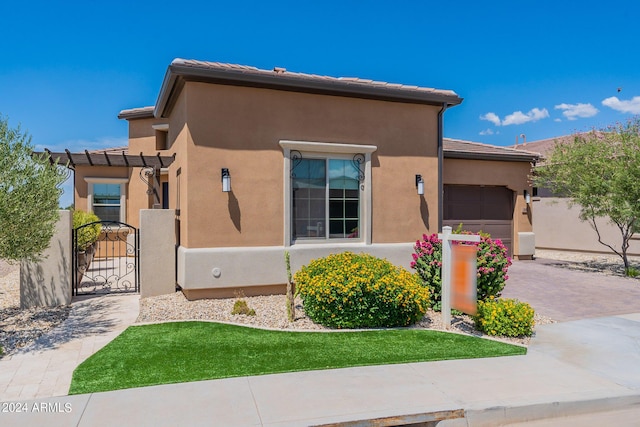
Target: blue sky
point(542, 69)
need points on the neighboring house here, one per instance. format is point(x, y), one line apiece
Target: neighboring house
point(259, 162)
point(557, 225)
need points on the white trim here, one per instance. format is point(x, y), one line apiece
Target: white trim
point(326, 150)
point(327, 147)
point(105, 180)
point(90, 180)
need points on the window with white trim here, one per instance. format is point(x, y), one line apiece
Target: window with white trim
point(327, 192)
point(325, 199)
point(106, 197)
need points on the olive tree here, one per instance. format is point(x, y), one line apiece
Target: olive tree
point(29, 193)
point(599, 171)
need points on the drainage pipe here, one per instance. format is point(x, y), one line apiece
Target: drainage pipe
point(441, 165)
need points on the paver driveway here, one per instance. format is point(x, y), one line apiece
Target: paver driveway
point(564, 294)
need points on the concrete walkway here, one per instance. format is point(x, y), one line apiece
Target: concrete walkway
point(44, 368)
point(572, 368)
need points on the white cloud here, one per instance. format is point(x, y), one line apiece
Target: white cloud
point(631, 106)
point(518, 117)
point(574, 111)
point(486, 132)
point(557, 120)
point(83, 144)
point(491, 117)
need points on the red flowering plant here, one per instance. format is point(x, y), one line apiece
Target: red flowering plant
point(492, 262)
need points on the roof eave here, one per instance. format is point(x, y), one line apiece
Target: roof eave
point(450, 154)
point(137, 113)
point(177, 73)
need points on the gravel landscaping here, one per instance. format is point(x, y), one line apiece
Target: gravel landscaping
point(608, 264)
point(271, 314)
point(18, 328)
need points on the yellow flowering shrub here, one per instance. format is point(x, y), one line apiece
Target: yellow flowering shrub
point(504, 317)
point(348, 290)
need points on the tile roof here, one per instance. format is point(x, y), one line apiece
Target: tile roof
point(113, 150)
point(459, 149)
point(282, 72)
point(280, 78)
point(544, 146)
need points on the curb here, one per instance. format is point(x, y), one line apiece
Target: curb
point(507, 415)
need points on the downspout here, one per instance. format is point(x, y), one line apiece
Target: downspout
point(440, 165)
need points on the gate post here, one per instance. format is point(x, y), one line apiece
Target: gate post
point(157, 252)
point(47, 283)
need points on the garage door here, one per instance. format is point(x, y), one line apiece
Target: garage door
point(480, 208)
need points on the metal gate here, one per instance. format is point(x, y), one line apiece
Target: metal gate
point(108, 264)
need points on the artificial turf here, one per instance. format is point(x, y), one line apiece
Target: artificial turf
point(192, 351)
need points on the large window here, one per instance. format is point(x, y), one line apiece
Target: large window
point(106, 197)
point(325, 192)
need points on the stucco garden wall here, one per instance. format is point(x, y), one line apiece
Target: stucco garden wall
point(558, 226)
point(47, 283)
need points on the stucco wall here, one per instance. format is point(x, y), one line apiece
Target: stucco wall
point(558, 226)
point(239, 128)
point(47, 283)
point(513, 175)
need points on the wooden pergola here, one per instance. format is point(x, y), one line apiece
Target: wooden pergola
point(105, 158)
point(151, 165)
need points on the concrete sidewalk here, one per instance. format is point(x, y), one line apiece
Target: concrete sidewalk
point(572, 368)
point(44, 368)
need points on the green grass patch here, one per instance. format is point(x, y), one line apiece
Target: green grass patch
point(192, 351)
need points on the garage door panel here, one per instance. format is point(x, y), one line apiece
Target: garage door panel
point(465, 194)
point(463, 211)
point(499, 230)
point(498, 210)
point(480, 208)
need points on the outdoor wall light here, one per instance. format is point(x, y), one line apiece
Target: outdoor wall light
point(527, 197)
point(420, 184)
point(226, 180)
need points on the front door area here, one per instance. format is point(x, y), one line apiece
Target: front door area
point(108, 265)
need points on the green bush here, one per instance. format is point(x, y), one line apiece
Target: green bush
point(360, 291)
point(86, 236)
point(492, 263)
point(504, 317)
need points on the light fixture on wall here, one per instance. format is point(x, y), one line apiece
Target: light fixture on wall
point(527, 197)
point(420, 184)
point(226, 180)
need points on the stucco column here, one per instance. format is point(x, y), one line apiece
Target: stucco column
point(157, 252)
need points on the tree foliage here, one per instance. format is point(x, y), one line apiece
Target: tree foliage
point(600, 172)
point(29, 193)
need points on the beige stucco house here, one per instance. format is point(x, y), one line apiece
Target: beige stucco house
point(259, 162)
